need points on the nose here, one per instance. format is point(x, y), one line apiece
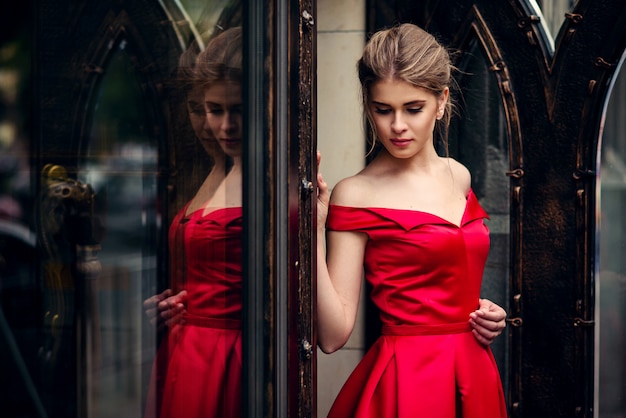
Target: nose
point(397, 124)
point(230, 121)
point(206, 126)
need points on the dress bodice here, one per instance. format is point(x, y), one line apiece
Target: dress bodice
point(206, 261)
point(425, 273)
point(422, 268)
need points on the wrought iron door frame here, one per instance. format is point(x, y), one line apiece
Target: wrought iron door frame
point(553, 102)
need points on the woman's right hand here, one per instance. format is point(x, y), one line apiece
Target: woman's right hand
point(165, 309)
point(323, 197)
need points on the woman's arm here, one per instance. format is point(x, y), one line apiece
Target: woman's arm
point(339, 277)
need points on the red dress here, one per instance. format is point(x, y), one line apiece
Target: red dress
point(202, 358)
point(426, 275)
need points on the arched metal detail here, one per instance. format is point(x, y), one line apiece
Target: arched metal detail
point(154, 52)
point(601, 72)
point(181, 24)
point(475, 26)
point(116, 32)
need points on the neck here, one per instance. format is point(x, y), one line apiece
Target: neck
point(236, 164)
point(422, 161)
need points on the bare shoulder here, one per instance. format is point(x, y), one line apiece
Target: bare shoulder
point(351, 191)
point(461, 175)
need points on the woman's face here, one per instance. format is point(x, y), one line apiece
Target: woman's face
point(198, 119)
point(197, 113)
point(222, 103)
point(405, 116)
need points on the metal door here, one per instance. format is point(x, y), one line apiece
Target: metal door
point(532, 105)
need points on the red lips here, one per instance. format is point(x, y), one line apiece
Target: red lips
point(400, 142)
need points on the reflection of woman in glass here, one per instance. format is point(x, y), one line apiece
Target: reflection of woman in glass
point(199, 363)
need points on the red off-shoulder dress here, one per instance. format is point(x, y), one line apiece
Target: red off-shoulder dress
point(201, 360)
point(425, 274)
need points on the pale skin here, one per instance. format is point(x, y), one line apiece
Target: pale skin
point(221, 123)
point(406, 174)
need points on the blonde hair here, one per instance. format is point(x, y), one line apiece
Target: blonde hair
point(222, 58)
point(408, 53)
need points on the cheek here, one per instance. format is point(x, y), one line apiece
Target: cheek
point(429, 124)
point(379, 123)
point(238, 121)
point(197, 124)
point(214, 123)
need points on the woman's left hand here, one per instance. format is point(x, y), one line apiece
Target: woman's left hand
point(323, 197)
point(488, 321)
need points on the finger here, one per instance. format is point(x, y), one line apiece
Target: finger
point(151, 302)
point(494, 326)
point(176, 316)
point(174, 307)
point(493, 316)
point(481, 339)
point(488, 306)
point(322, 188)
point(154, 300)
point(175, 320)
point(181, 296)
point(487, 333)
point(321, 184)
point(489, 326)
point(176, 300)
point(168, 303)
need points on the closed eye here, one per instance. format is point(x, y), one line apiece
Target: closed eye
point(198, 111)
point(196, 108)
point(215, 110)
point(382, 111)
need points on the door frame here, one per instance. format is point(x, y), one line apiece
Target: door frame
point(554, 103)
point(279, 209)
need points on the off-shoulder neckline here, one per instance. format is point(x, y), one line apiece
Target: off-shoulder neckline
point(376, 209)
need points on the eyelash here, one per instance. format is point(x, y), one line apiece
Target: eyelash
point(198, 111)
point(220, 111)
point(388, 111)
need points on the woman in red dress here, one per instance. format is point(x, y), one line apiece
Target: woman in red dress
point(198, 367)
point(410, 221)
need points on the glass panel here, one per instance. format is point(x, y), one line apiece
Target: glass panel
point(121, 167)
point(611, 268)
point(479, 140)
point(554, 13)
point(198, 365)
point(205, 15)
point(19, 319)
point(75, 336)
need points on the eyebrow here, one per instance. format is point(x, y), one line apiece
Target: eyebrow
point(223, 105)
point(411, 103)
